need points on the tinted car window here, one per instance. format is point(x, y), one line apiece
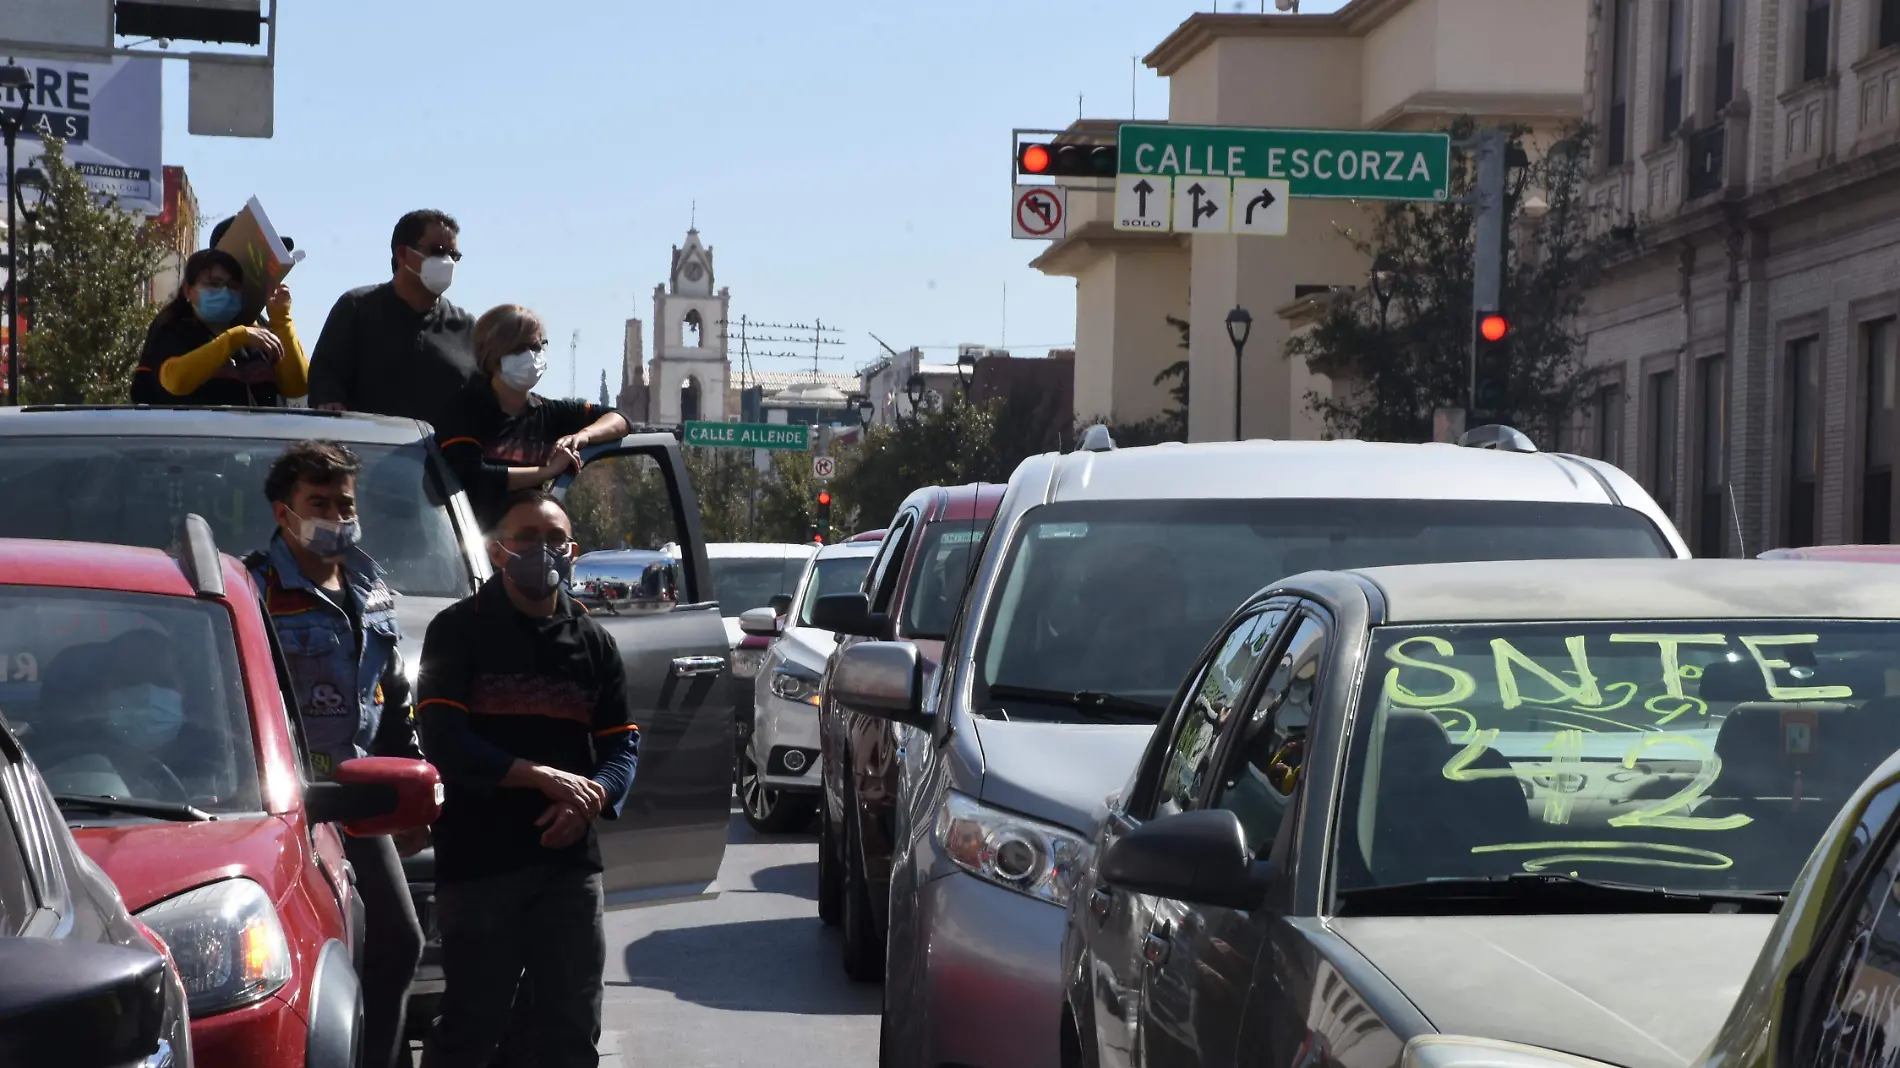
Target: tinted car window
point(133, 491)
point(937, 581)
point(1857, 1007)
point(840, 574)
point(1118, 596)
point(744, 584)
point(1208, 710)
point(128, 695)
point(1698, 755)
point(1271, 747)
point(17, 897)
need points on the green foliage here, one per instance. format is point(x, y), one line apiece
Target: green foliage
point(1412, 354)
point(1174, 421)
point(87, 279)
point(949, 446)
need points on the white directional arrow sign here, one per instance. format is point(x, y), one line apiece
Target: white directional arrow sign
point(1144, 202)
point(1200, 205)
point(1260, 206)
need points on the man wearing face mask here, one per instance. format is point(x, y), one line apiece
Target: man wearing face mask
point(197, 353)
point(498, 436)
point(523, 709)
point(399, 347)
point(336, 620)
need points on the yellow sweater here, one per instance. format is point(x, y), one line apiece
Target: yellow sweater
point(184, 375)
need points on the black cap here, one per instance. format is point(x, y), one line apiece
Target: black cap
point(218, 231)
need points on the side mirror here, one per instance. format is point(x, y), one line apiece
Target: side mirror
point(1198, 857)
point(759, 622)
point(64, 1001)
point(781, 604)
point(882, 679)
point(845, 613)
point(377, 795)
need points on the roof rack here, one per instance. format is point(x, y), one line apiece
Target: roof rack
point(1497, 436)
point(198, 558)
point(1097, 439)
point(320, 412)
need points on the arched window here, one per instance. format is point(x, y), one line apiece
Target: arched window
point(689, 399)
point(690, 330)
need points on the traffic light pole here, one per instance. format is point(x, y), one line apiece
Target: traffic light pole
point(1487, 267)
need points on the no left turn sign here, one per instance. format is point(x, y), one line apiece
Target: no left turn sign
point(1040, 213)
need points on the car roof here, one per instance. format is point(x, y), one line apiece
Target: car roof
point(1338, 469)
point(1864, 554)
point(848, 549)
point(757, 550)
point(90, 566)
point(284, 424)
point(975, 500)
point(1533, 590)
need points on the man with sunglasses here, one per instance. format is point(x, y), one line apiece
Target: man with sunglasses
point(399, 347)
point(523, 709)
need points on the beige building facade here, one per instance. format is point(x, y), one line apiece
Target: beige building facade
point(1747, 344)
point(1374, 64)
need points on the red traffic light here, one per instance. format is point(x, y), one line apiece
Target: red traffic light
point(1035, 159)
point(1493, 327)
point(824, 500)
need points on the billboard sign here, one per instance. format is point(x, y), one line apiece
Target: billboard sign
point(109, 114)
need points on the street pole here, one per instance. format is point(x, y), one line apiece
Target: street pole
point(1487, 266)
point(1239, 327)
point(11, 128)
point(1237, 351)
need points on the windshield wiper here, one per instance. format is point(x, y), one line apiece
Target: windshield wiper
point(164, 810)
point(1544, 888)
point(1087, 702)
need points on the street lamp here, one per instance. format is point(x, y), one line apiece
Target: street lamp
point(863, 403)
point(1239, 325)
point(1383, 268)
point(14, 79)
point(966, 367)
point(915, 387)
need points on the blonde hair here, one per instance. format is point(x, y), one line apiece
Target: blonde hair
point(503, 331)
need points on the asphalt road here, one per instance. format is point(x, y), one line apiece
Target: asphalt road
point(747, 978)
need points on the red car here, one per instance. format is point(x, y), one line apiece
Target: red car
point(148, 689)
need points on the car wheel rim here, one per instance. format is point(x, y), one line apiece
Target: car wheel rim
point(758, 800)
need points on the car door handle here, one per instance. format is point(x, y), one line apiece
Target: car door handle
point(1154, 948)
point(688, 666)
point(1101, 900)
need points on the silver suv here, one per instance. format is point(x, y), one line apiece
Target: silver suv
point(1102, 577)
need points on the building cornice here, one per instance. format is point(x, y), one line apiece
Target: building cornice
point(1073, 254)
point(1356, 19)
point(1524, 107)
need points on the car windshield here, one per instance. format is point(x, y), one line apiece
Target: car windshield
point(1118, 597)
point(133, 491)
point(1707, 755)
point(744, 583)
point(944, 559)
point(840, 574)
point(129, 696)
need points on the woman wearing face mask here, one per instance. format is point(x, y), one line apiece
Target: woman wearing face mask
point(196, 352)
point(499, 436)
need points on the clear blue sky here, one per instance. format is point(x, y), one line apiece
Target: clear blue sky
point(848, 159)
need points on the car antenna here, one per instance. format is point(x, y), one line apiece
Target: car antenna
point(1735, 513)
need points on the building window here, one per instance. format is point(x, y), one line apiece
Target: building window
point(1804, 439)
point(1889, 23)
point(1814, 40)
point(1624, 29)
point(1606, 412)
point(1662, 442)
point(689, 400)
point(1728, 19)
point(690, 330)
point(1675, 60)
point(1877, 437)
point(1711, 455)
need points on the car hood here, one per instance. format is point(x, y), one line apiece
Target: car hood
point(808, 647)
point(150, 862)
point(1644, 991)
point(1058, 772)
point(413, 615)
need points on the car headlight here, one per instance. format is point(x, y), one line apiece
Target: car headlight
point(795, 686)
point(1464, 1051)
point(745, 662)
point(1014, 852)
point(227, 942)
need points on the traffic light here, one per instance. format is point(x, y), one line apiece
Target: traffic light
point(823, 526)
point(1492, 374)
point(1048, 160)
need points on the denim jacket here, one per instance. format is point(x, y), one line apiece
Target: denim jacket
point(339, 688)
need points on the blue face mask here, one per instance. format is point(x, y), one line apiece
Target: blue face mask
point(217, 306)
point(144, 716)
point(329, 539)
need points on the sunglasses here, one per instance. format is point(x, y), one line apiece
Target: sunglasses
point(438, 250)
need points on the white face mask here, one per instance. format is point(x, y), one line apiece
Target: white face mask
point(523, 369)
point(436, 274)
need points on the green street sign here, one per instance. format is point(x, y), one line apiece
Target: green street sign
point(749, 436)
point(1326, 164)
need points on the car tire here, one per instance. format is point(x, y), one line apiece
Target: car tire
point(863, 950)
point(769, 811)
point(830, 892)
